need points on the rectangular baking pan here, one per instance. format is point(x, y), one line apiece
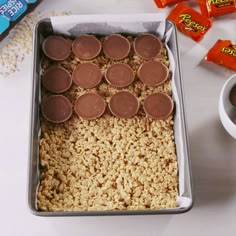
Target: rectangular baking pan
point(44, 29)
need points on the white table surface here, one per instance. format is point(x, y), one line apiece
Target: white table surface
point(213, 151)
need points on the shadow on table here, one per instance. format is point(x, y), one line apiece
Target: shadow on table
point(115, 225)
point(213, 157)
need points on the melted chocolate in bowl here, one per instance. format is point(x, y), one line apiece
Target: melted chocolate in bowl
point(116, 47)
point(86, 47)
point(56, 48)
point(87, 75)
point(56, 108)
point(153, 73)
point(56, 79)
point(158, 105)
point(124, 105)
point(120, 75)
point(147, 46)
point(90, 106)
point(232, 96)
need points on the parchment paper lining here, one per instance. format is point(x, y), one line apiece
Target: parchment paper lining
point(74, 26)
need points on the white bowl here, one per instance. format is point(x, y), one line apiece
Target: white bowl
point(226, 110)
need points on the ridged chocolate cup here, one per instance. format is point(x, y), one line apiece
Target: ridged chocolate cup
point(56, 79)
point(56, 108)
point(124, 105)
point(56, 48)
point(116, 47)
point(87, 75)
point(120, 75)
point(153, 73)
point(147, 46)
point(158, 106)
point(86, 47)
point(90, 106)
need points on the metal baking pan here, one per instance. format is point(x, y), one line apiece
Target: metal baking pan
point(42, 30)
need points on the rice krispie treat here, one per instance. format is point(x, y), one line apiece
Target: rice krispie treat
point(108, 163)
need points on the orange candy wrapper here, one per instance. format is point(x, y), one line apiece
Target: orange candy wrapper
point(164, 3)
point(223, 53)
point(212, 8)
point(189, 21)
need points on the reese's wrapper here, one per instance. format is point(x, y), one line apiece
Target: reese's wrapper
point(164, 3)
point(223, 53)
point(189, 21)
point(212, 8)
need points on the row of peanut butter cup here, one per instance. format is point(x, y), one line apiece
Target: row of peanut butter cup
point(57, 79)
point(115, 47)
point(89, 106)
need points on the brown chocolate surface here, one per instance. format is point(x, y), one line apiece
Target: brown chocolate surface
point(232, 95)
point(86, 47)
point(87, 75)
point(56, 79)
point(116, 47)
point(120, 75)
point(56, 48)
point(90, 106)
point(158, 105)
point(234, 117)
point(147, 46)
point(153, 73)
point(124, 104)
point(56, 108)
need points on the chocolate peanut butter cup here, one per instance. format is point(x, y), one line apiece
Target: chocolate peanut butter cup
point(232, 95)
point(90, 106)
point(147, 46)
point(116, 47)
point(153, 73)
point(56, 48)
point(124, 105)
point(158, 106)
point(56, 79)
point(120, 75)
point(87, 75)
point(56, 108)
point(86, 47)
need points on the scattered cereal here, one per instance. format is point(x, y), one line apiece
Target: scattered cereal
point(18, 44)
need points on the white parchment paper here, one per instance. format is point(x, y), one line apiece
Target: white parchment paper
point(134, 24)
